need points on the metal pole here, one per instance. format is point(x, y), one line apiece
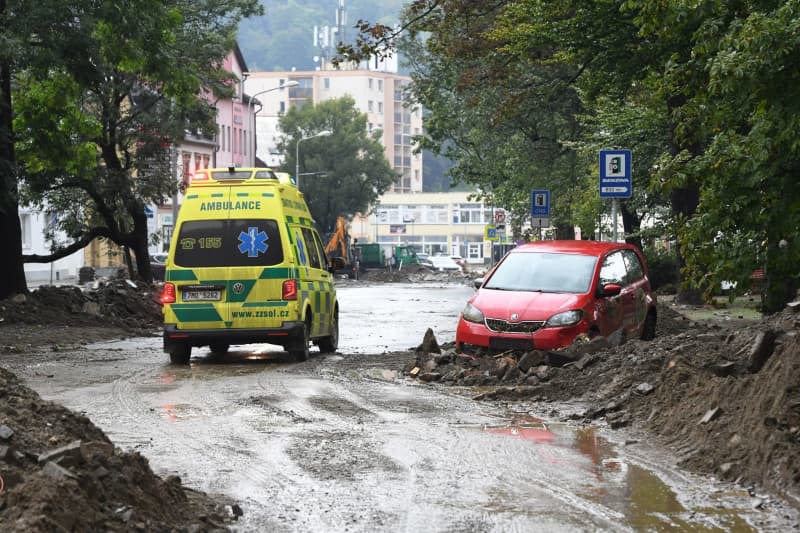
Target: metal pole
point(614, 209)
point(297, 163)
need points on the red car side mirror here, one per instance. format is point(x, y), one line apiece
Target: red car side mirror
point(611, 289)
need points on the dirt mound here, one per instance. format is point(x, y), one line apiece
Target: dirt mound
point(409, 274)
point(59, 472)
point(725, 397)
point(120, 303)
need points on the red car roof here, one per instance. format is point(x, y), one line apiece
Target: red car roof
point(572, 247)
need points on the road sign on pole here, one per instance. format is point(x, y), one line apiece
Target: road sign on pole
point(540, 203)
point(616, 180)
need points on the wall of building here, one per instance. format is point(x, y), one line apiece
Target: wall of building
point(448, 223)
point(377, 94)
point(33, 242)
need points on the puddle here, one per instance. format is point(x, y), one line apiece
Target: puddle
point(639, 495)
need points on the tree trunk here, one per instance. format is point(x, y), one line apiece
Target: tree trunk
point(139, 245)
point(631, 223)
point(12, 271)
point(683, 204)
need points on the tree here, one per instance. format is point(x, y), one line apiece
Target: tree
point(23, 25)
point(94, 127)
point(353, 170)
point(749, 202)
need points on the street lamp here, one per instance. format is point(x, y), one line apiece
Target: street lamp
point(290, 83)
point(323, 133)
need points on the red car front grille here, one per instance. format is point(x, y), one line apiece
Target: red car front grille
point(503, 326)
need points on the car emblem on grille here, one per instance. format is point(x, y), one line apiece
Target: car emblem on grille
point(238, 287)
point(514, 317)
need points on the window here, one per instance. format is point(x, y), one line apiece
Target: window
point(229, 139)
point(369, 83)
point(282, 107)
point(380, 85)
point(222, 243)
point(326, 82)
point(613, 269)
point(380, 107)
point(369, 106)
point(25, 222)
point(471, 214)
point(311, 248)
point(633, 266)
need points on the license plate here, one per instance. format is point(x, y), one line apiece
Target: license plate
point(194, 296)
point(502, 343)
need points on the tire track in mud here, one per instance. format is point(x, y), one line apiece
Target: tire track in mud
point(390, 482)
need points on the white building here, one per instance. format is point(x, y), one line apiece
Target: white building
point(447, 223)
point(381, 95)
point(34, 225)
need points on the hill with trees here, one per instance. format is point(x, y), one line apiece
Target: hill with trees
point(282, 38)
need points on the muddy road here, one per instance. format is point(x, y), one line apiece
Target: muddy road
point(345, 443)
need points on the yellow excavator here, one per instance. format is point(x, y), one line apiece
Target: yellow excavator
point(339, 252)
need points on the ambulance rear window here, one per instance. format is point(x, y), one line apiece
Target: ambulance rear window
point(223, 243)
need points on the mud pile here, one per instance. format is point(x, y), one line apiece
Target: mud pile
point(120, 303)
point(725, 397)
point(59, 472)
point(410, 274)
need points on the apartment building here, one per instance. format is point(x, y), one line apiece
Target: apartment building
point(435, 223)
point(383, 96)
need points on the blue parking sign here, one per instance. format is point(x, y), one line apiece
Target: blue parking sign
point(540, 203)
point(615, 174)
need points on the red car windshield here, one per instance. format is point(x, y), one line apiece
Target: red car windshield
point(543, 272)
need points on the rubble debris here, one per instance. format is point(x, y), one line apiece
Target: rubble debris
point(710, 415)
point(61, 473)
point(676, 386)
point(761, 350)
point(429, 344)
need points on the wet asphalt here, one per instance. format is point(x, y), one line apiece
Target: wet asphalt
point(344, 442)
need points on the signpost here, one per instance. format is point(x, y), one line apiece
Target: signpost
point(616, 180)
point(540, 208)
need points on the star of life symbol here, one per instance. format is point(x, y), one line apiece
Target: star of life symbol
point(253, 242)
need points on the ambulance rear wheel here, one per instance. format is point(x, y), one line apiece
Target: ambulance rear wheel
point(330, 343)
point(299, 350)
point(180, 353)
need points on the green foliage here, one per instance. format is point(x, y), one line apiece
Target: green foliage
point(353, 169)
point(123, 84)
point(662, 263)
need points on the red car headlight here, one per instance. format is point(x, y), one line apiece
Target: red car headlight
point(567, 318)
point(472, 314)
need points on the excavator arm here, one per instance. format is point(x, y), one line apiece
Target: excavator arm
point(336, 250)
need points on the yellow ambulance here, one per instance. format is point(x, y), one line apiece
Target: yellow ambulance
point(246, 265)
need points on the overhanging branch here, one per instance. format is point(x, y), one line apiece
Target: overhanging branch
point(72, 248)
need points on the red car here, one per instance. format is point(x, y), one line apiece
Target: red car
point(543, 295)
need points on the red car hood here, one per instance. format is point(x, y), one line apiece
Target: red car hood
point(527, 305)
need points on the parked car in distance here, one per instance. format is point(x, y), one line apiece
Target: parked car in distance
point(443, 263)
point(425, 260)
point(544, 295)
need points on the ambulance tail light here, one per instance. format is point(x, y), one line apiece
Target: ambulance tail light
point(289, 291)
point(168, 293)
